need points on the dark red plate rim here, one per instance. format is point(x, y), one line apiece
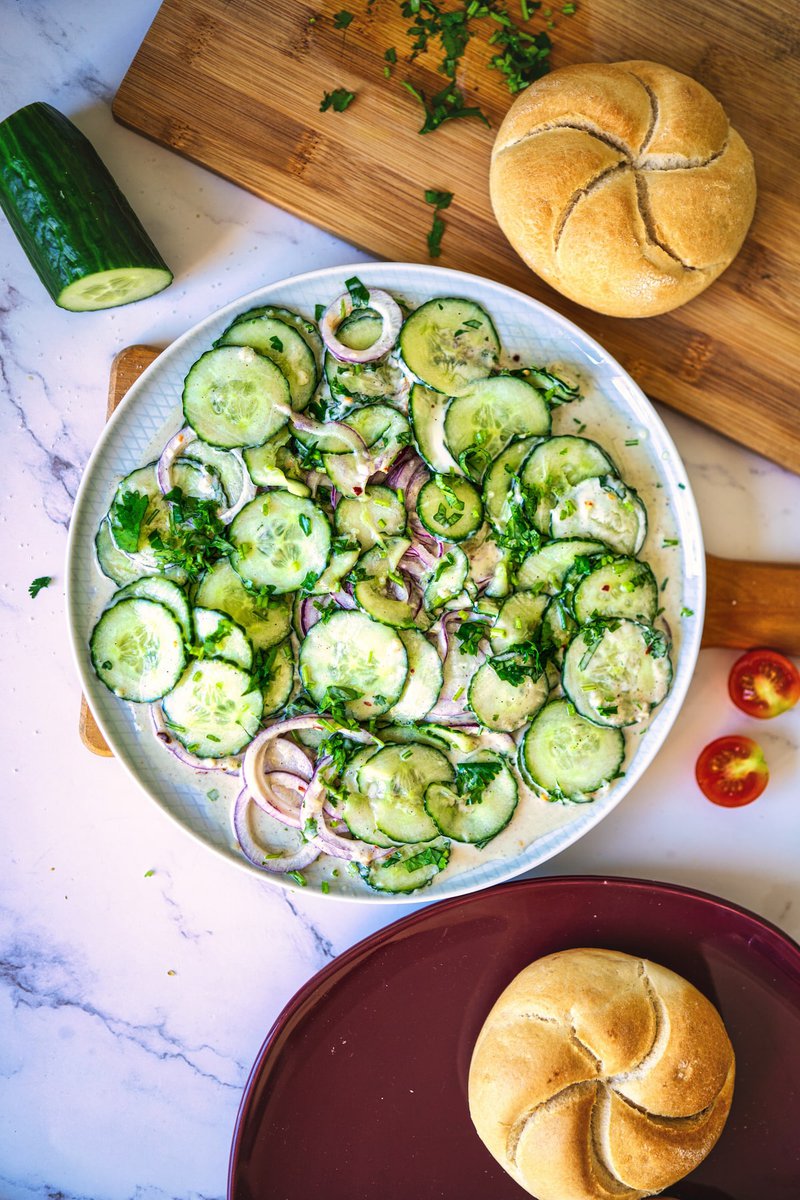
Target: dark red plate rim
point(755, 936)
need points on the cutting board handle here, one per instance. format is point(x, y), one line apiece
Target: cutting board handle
point(752, 604)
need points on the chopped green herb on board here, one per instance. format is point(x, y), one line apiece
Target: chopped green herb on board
point(339, 99)
point(440, 201)
point(43, 581)
point(342, 19)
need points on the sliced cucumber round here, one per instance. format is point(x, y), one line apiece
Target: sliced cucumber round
point(616, 672)
point(137, 649)
point(447, 579)
point(480, 423)
point(498, 480)
point(280, 541)
point(285, 346)
point(408, 868)
point(371, 518)
point(556, 465)
point(448, 344)
point(382, 428)
point(218, 636)
point(568, 756)
point(424, 679)
point(376, 597)
point(265, 619)
point(395, 780)
point(278, 663)
point(462, 818)
point(518, 621)
point(163, 591)
point(307, 329)
point(214, 710)
point(234, 396)
point(545, 569)
point(450, 508)
point(118, 566)
point(558, 626)
point(603, 508)
point(357, 814)
point(623, 587)
point(427, 409)
point(355, 661)
point(503, 706)
point(363, 383)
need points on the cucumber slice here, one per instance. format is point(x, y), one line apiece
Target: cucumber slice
point(347, 473)
point(363, 662)
point(265, 619)
point(617, 672)
point(395, 780)
point(463, 820)
point(285, 346)
point(307, 329)
point(220, 637)
point(448, 344)
point(341, 563)
point(163, 591)
point(80, 234)
point(518, 621)
point(623, 587)
point(430, 734)
point(498, 479)
point(503, 706)
point(279, 661)
point(383, 429)
point(558, 626)
point(137, 649)
point(447, 580)
point(234, 396)
point(357, 814)
point(280, 541)
point(556, 465)
point(408, 868)
point(375, 596)
point(363, 383)
point(427, 409)
point(605, 509)
point(213, 710)
point(360, 329)
point(450, 508)
point(545, 570)
point(567, 756)
point(275, 465)
point(480, 423)
point(138, 496)
point(370, 518)
point(118, 566)
point(424, 679)
point(227, 466)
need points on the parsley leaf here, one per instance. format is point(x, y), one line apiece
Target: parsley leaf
point(473, 778)
point(34, 588)
point(127, 514)
point(195, 537)
point(339, 99)
point(358, 293)
point(446, 105)
point(436, 856)
point(342, 19)
point(470, 635)
point(525, 661)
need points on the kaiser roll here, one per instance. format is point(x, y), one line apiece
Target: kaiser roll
point(598, 1076)
point(623, 185)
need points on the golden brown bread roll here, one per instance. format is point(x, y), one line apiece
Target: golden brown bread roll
point(598, 1076)
point(623, 185)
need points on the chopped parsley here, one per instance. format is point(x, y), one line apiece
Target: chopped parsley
point(339, 99)
point(440, 201)
point(127, 514)
point(38, 584)
point(358, 293)
point(195, 536)
point(525, 661)
point(342, 19)
point(470, 634)
point(446, 105)
point(436, 856)
point(473, 778)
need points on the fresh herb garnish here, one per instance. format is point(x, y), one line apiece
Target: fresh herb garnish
point(440, 201)
point(655, 641)
point(525, 661)
point(473, 778)
point(339, 99)
point(470, 634)
point(436, 856)
point(358, 293)
point(262, 668)
point(127, 514)
point(298, 877)
point(334, 700)
point(276, 344)
point(446, 105)
point(38, 584)
point(304, 522)
point(342, 19)
point(195, 537)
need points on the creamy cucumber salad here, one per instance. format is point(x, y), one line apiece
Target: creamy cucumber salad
point(380, 578)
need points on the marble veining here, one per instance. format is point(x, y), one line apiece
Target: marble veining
point(139, 973)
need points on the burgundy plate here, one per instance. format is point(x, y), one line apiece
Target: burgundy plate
point(360, 1088)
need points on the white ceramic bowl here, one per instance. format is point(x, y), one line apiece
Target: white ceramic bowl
point(615, 412)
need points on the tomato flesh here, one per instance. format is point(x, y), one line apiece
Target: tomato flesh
point(731, 771)
point(764, 683)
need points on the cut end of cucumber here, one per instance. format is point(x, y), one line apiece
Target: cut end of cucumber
point(110, 289)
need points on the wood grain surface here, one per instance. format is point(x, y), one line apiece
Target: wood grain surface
point(236, 85)
point(749, 604)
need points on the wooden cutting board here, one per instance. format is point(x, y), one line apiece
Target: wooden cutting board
point(236, 86)
point(749, 604)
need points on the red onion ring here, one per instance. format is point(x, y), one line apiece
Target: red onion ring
point(260, 856)
point(231, 764)
point(325, 428)
point(380, 302)
point(281, 797)
point(313, 811)
point(174, 449)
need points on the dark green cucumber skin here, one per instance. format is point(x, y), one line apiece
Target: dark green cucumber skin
point(63, 204)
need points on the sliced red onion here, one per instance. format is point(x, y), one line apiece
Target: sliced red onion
point(261, 856)
point(253, 765)
point(281, 797)
point(313, 811)
point(403, 468)
point(309, 615)
point(231, 764)
point(380, 302)
point(324, 429)
point(344, 599)
point(247, 493)
point(176, 447)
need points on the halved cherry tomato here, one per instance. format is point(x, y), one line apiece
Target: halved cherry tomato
point(764, 683)
point(731, 771)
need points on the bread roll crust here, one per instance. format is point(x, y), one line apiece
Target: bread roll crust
point(622, 185)
point(600, 1076)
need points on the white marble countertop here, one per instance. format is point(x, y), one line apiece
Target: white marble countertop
point(139, 973)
